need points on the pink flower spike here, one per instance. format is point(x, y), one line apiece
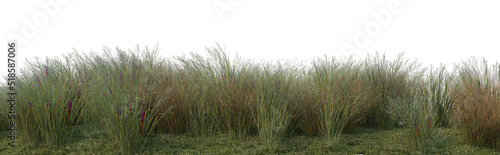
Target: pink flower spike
point(142, 114)
point(69, 104)
point(110, 90)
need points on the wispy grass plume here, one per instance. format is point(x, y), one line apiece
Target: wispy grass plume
point(476, 96)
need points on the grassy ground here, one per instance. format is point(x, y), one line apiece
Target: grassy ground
point(364, 141)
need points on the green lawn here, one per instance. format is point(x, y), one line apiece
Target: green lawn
point(364, 141)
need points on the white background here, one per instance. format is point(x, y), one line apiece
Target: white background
point(431, 31)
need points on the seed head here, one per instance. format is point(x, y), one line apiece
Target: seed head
point(69, 104)
point(110, 90)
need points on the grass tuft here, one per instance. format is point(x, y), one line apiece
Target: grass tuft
point(477, 97)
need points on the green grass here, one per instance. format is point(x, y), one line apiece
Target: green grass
point(363, 141)
point(341, 98)
point(48, 104)
point(215, 101)
point(389, 80)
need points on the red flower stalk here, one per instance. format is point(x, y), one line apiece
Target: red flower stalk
point(46, 72)
point(40, 83)
point(70, 103)
point(38, 80)
point(110, 90)
point(142, 118)
point(69, 110)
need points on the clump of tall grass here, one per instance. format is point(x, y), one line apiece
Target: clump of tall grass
point(427, 106)
point(176, 120)
point(129, 96)
point(419, 116)
point(233, 87)
point(340, 98)
point(195, 91)
point(273, 107)
point(210, 94)
point(388, 80)
point(50, 100)
point(126, 93)
point(476, 96)
point(439, 85)
point(214, 94)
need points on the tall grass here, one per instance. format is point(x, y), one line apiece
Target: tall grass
point(195, 91)
point(234, 87)
point(176, 120)
point(476, 96)
point(211, 94)
point(50, 101)
point(121, 93)
point(439, 83)
point(427, 106)
point(340, 98)
point(129, 94)
point(389, 79)
point(133, 94)
point(218, 95)
point(273, 108)
point(419, 117)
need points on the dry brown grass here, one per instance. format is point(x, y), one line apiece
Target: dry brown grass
point(477, 100)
